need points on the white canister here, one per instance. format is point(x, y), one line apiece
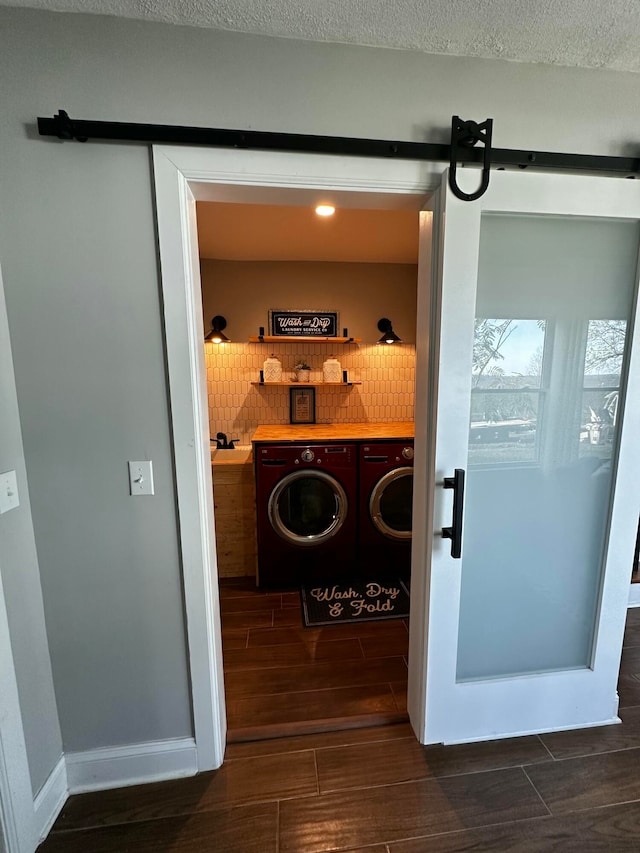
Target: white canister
point(272, 369)
point(332, 370)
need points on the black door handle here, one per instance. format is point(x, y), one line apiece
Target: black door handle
point(455, 531)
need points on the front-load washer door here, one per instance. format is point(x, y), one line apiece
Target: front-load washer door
point(390, 504)
point(308, 507)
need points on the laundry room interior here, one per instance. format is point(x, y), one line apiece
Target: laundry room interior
point(312, 470)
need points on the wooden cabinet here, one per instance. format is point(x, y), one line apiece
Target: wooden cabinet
point(234, 501)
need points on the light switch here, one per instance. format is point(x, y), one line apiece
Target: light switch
point(9, 498)
point(141, 478)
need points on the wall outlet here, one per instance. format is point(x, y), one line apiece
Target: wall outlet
point(141, 478)
point(9, 498)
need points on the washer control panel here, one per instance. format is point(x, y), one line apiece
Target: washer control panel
point(276, 457)
point(407, 452)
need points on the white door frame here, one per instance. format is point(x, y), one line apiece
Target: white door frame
point(17, 815)
point(182, 177)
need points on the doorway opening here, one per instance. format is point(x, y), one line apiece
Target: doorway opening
point(282, 678)
point(183, 176)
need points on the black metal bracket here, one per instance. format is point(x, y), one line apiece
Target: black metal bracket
point(65, 128)
point(463, 152)
point(464, 135)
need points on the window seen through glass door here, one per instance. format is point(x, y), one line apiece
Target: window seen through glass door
point(513, 360)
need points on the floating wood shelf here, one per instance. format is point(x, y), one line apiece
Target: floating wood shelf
point(292, 339)
point(307, 384)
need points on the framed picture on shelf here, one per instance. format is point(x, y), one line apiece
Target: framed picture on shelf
point(302, 405)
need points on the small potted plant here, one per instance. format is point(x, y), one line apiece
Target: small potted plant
point(303, 371)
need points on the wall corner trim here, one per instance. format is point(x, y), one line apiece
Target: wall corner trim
point(135, 764)
point(48, 802)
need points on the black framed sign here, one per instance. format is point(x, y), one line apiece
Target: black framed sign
point(313, 324)
point(302, 405)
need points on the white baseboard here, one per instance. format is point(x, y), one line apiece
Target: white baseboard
point(136, 764)
point(49, 800)
point(634, 595)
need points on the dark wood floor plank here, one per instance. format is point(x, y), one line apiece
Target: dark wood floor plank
point(248, 603)
point(579, 742)
point(317, 676)
point(234, 587)
point(378, 848)
point(374, 703)
point(291, 599)
point(381, 646)
point(237, 782)
point(387, 763)
point(630, 662)
point(251, 619)
point(583, 783)
point(294, 633)
point(288, 616)
point(399, 690)
point(615, 829)
point(379, 815)
point(628, 691)
point(268, 657)
point(632, 627)
point(244, 829)
point(235, 639)
point(344, 737)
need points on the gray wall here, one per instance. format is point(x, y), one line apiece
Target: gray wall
point(21, 582)
point(78, 246)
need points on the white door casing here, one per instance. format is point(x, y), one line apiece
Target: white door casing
point(17, 816)
point(182, 177)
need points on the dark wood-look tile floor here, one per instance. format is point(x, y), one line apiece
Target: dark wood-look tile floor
point(283, 679)
point(376, 790)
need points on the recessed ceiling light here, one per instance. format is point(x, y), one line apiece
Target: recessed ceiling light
point(325, 209)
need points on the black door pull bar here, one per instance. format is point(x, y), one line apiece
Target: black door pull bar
point(455, 531)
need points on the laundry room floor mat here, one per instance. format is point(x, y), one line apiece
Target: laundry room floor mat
point(355, 601)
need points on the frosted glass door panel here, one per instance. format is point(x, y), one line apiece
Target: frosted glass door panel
point(553, 306)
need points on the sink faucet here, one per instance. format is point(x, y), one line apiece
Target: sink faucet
point(222, 443)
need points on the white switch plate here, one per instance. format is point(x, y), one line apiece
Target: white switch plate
point(141, 478)
point(9, 498)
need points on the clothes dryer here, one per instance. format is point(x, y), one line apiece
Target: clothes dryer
point(306, 512)
point(385, 513)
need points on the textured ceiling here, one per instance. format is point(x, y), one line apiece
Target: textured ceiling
point(587, 33)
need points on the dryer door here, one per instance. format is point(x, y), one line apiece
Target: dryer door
point(308, 507)
point(391, 502)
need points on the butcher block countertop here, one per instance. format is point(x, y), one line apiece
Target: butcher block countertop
point(275, 433)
